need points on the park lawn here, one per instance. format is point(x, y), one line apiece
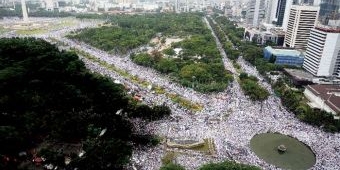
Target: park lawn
point(31, 32)
point(3, 30)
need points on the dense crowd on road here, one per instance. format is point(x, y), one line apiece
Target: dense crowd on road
point(228, 117)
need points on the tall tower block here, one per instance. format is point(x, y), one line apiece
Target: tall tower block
point(24, 10)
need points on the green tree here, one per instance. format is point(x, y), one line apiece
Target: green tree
point(166, 66)
point(272, 59)
point(169, 51)
point(143, 59)
point(172, 166)
point(43, 99)
point(194, 72)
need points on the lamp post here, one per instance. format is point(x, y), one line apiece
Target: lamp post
point(193, 80)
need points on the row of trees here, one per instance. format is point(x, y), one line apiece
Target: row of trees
point(295, 102)
point(228, 47)
point(249, 50)
point(48, 95)
point(249, 84)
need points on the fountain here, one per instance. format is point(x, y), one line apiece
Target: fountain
point(282, 148)
point(273, 148)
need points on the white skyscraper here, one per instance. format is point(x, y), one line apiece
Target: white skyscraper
point(255, 12)
point(317, 2)
point(24, 10)
point(289, 4)
point(301, 20)
point(323, 52)
point(49, 5)
point(271, 7)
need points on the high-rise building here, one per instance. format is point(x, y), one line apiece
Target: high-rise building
point(323, 52)
point(288, 5)
point(301, 20)
point(329, 11)
point(280, 11)
point(24, 10)
point(48, 5)
point(270, 11)
point(308, 2)
point(255, 12)
point(316, 2)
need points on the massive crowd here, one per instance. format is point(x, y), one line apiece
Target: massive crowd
point(237, 119)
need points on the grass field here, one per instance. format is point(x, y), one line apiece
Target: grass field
point(60, 23)
point(3, 30)
point(31, 32)
point(297, 157)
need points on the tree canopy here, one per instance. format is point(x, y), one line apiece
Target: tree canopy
point(198, 47)
point(251, 88)
point(48, 95)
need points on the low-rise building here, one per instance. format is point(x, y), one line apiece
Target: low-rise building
point(265, 34)
point(284, 56)
point(324, 97)
point(299, 77)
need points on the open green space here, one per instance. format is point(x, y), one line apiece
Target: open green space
point(298, 156)
point(198, 65)
point(58, 24)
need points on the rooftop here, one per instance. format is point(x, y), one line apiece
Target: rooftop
point(328, 30)
point(299, 74)
point(277, 31)
point(329, 93)
point(286, 52)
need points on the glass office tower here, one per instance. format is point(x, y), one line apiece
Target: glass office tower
point(329, 12)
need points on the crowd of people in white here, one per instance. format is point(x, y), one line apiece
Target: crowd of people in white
point(238, 118)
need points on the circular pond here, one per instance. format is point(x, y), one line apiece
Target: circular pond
point(270, 146)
